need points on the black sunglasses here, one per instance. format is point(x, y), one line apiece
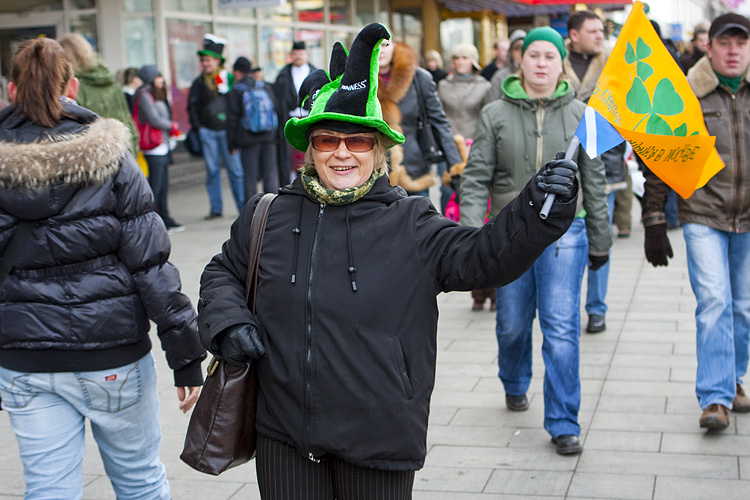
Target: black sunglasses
point(354, 143)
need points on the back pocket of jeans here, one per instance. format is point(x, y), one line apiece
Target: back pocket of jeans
point(111, 390)
point(20, 393)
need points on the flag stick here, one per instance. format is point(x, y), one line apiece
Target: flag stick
point(550, 198)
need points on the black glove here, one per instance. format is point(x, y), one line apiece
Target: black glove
point(559, 177)
point(456, 187)
point(240, 343)
point(597, 261)
point(657, 245)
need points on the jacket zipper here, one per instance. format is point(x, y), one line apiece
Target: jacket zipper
point(308, 336)
point(539, 136)
point(736, 206)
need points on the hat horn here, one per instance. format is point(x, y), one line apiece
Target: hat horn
point(360, 72)
point(338, 61)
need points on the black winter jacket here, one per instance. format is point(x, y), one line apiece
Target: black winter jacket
point(205, 107)
point(94, 269)
point(351, 355)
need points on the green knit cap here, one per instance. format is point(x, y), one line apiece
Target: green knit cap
point(548, 35)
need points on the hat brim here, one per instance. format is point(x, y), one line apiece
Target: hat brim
point(296, 129)
point(212, 54)
point(730, 26)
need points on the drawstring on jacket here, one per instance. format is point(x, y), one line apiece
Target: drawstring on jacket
point(352, 269)
point(296, 232)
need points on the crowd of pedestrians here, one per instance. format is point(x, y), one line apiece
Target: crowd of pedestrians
point(352, 153)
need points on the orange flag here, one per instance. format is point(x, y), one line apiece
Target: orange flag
point(645, 96)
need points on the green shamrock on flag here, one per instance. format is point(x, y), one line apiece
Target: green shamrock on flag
point(666, 101)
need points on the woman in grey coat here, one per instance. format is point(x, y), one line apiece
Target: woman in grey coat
point(153, 108)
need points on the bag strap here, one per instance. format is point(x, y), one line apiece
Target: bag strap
point(13, 250)
point(257, 230)
point(420, 103)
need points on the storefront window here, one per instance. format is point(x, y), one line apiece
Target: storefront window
point(235, 8)
point(46, 5)
point(86, 26)
point(339, 10)
point(184, 38)
point(309, 11)
point(365, 12)
point(81, 4)
point(241, 42)
point(314, 43)
point(137, 5)
point(140, 42)
point(282, 14)
point(345, 37)
point(407, 28)
point(277, 45)
point(202, 6)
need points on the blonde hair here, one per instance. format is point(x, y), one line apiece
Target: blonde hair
point(380, 162)
point(79, 50)
point(434, 55)
point(40, 70)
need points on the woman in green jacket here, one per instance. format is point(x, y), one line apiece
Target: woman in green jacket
point(536, 117)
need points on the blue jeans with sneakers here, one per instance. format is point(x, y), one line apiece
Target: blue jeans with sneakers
point(552, 286)
point(719, 270)
point(216, 151)
point(48, 412)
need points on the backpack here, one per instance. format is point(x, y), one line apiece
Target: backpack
point(260, 113)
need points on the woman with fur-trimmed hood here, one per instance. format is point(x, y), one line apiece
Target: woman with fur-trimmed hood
point(84, 269)
point(400, 75)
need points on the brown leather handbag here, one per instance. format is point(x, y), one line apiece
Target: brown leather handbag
point(221, 432)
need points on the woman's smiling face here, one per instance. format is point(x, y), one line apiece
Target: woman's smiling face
point(342, 168)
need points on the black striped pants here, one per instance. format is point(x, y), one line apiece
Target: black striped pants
point(285, 475)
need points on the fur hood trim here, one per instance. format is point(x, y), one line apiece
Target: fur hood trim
point(91, 156)
point(585, 85)
point(405, 63)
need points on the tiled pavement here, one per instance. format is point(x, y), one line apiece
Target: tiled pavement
point(639, 415)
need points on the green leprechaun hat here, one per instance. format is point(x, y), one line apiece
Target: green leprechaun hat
point(350, 96)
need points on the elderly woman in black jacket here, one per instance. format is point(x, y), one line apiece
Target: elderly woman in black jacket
point(85, 261)
point(346, 322)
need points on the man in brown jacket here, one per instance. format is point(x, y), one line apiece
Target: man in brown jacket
point(716, 226)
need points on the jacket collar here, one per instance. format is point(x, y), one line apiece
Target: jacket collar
point(381, 192)
point(703, 80)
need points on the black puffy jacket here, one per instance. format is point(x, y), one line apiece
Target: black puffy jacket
point(94, 269)
point(350, 373)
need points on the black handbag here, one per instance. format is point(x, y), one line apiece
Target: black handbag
point(431, 150)
point(221, 433)
point(193, 142)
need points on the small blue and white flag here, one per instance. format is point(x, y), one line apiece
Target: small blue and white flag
point(596, 134)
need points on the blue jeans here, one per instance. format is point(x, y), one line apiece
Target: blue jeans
point(596, 290)
point(719, 269)
point(47, 413)
point(553, 287)
point(216, 151)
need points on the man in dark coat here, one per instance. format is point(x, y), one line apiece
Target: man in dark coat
point(257, 149)
point(700, 43)
point(287, 91)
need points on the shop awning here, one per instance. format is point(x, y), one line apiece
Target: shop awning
point(522, 8)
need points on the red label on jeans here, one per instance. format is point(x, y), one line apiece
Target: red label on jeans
point(110, 378)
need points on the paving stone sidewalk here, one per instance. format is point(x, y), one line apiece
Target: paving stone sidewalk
point(639, 415)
